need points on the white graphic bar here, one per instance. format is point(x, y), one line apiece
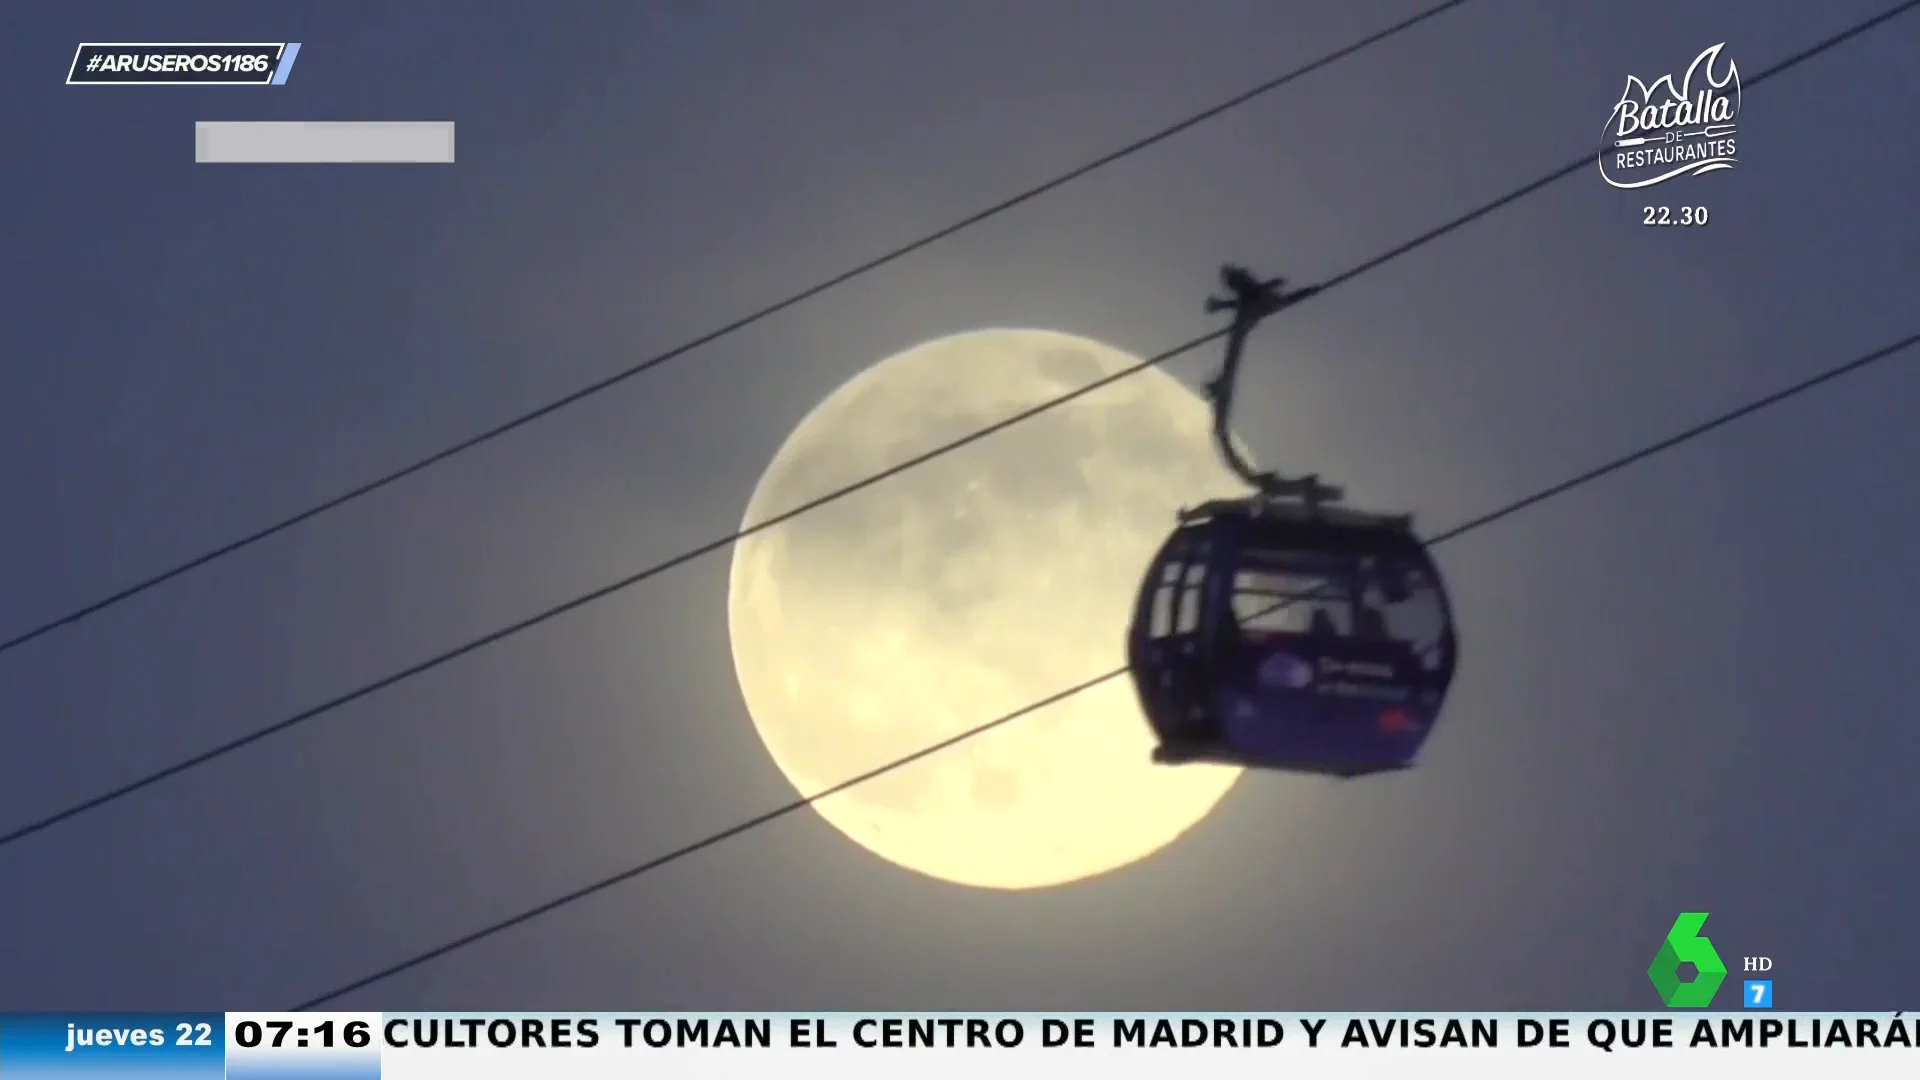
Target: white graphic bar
point(1676, 1044)
point(323, 142)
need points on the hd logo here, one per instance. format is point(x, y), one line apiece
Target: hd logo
point(1686, 945)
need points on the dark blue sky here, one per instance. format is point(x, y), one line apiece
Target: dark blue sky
point(1686, 687)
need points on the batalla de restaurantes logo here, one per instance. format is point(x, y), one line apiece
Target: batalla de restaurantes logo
point(1659, 131)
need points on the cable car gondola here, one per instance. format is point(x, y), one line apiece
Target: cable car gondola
point(1279, 631)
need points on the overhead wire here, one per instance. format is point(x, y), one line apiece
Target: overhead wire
point(420, 465)
point(368, 689)
point(1479, 521)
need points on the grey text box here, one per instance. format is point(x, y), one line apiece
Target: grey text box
point(323, 142)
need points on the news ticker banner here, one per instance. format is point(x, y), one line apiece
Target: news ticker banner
point(201, 64)
point(838, 1046)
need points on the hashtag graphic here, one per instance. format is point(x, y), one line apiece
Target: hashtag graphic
point(238, 63)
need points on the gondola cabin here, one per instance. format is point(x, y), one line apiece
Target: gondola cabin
point(1288, 636)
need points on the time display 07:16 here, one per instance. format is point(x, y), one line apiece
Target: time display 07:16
point(249, 1034)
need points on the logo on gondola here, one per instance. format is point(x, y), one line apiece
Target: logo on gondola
point(1659, 131)
point(1398, 722)
point(1286, 670)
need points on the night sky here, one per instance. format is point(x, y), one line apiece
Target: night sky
point(1685, 687)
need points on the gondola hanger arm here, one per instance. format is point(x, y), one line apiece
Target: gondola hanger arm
point(1251, 299)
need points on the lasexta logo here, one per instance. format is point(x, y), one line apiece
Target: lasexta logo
point(1686, 945)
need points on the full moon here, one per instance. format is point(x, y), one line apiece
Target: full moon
point(966, 588)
